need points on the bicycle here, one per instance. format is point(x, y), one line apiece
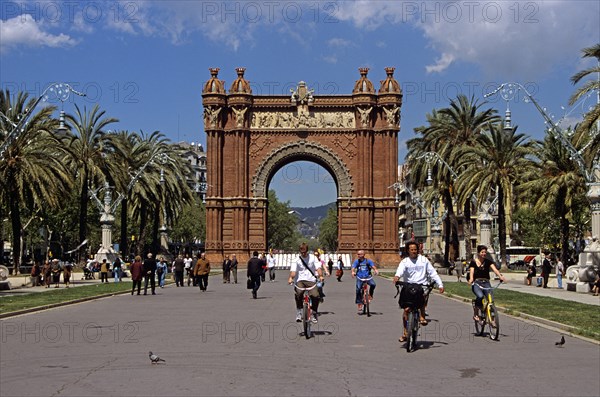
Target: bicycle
point(413, 316)
point(488, 314)
point(366, 298)
point(306, 310)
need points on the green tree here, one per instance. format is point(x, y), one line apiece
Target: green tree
point(328, 230)
point(585, 136)
point(32, 170)
point(281, 227)
point(189, 227)
point(556, 185)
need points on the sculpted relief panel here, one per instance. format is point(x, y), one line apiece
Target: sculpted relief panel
point(281, 120)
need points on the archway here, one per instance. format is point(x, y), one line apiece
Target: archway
point(355, 137)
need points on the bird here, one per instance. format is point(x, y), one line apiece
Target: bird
point(154, 359)
point(561, 342)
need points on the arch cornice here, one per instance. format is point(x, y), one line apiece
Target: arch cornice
point(299, 150)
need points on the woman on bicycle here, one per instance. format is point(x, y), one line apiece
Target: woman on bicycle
point(479, 277)
point(416, 269)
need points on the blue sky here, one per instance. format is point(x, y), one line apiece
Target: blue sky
point(145, 62)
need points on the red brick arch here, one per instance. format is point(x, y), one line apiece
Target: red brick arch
point(249, 138)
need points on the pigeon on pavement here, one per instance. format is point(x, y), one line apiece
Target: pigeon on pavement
point(561, 342)
point(154, 358)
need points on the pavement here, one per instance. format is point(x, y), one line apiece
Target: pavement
point(515, 282)
point(224, 343)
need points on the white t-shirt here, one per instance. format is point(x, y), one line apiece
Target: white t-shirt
point(187, 263)
point(417, 271)
point(302, 273)
point(271, 261)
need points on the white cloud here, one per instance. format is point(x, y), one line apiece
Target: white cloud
point(339, 42)
point(23, 30)
point(441, 64)
point(506, 39)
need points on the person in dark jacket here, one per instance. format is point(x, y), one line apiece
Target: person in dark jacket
point(254, 272)
point(178, 267)
point(546, 269)
point(149, 273)
point(137, 272)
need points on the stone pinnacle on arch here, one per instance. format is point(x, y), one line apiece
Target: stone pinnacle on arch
point(214, 85)
point(363, 85)
point(240, 85)
point(389, 85)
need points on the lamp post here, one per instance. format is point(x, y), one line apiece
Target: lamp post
point(591, 175)
point(433, 220)
point(107, 207)
point(484, 211)
point(60, 91)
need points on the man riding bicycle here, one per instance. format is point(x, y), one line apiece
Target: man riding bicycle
point(304, 272)
point(416, 269)
point(361, 269)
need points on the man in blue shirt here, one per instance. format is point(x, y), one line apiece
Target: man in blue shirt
point(361, 269)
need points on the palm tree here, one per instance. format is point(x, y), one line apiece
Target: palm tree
point(32, 169)
point(556, 185)
point(87, 145)
point(496, 162)
point(591, 120)
point(464, 121)
point(128, 150)
point(451, 130)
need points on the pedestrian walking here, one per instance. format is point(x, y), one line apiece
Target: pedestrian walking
point(137, 272)
point(178, 268)
point(149, 274)
point(118, 270)
point(234, 267)
point(560, 271)
point(161, 271)
point(254, 273)
point(201, 271)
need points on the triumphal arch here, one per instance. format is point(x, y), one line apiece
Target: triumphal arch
point(250, 137)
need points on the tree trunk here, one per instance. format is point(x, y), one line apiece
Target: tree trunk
point(155, 227)
point(15, 221)
point(452, 232)
point(143, 222)
point(123, 246)
point(83, 207)
point(502, 228)
point(467, 230)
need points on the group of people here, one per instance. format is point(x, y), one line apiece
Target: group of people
point(548, 263)
point(50, 272)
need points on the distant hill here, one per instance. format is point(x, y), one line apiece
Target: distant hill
point(311, 218)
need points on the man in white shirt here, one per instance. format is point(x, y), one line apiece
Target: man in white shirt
point(271, 265)
point(188, 269)
point(304, 272)
point(416, 269)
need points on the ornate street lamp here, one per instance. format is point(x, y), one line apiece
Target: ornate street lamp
point(108, 207)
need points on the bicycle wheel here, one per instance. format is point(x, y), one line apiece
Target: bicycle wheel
point(306, 320)
point(479, 325)
point(366, 302)
point(411, 330)
point(493, 322)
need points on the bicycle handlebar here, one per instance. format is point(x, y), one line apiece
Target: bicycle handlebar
point(364, 279)
point(488, 288)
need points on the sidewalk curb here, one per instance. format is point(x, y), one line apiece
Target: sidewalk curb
point(542, 322)
point(59, 304)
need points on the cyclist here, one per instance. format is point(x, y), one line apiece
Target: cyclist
point(304, 272)
point(415, 269)
point(361, 268)
point(479, 276)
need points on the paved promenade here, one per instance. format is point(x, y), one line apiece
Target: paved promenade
point(224, 343)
